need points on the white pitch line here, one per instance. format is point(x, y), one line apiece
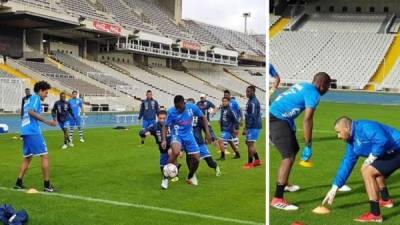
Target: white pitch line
point(140, 206)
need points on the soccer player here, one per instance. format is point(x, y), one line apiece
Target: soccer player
point(75, 121)
point(148, 111)
point(380, 145)
point(227, 123)
point(25, 99)
point(274, 74)
point(62, 112)
point(204, 152)
point(208, 108)
point(33, 141)
point(283, 111)
point(156, 131)
point(252, 127)
point(180, 119)
point(234, 105)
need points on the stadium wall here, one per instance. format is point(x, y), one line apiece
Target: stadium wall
point(380, 6)
point(116, 57)
point(32, 44)
point(65, 48)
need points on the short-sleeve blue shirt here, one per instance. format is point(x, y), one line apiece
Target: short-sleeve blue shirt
point(182, 123)
point(30, 125)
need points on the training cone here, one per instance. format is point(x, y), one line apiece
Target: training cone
point(297, 223)
point(32, 191)
point(306, 164)
point(321, 210)
point(14, 137)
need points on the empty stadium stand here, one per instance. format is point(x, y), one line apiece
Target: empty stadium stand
point(273, 19)
point(392, 81)
point(82, 8)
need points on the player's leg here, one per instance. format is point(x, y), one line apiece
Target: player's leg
point(176, 144)
point(24, 167)
point(66, 138)
point(223, 144)
point(205, 154)
point(253, 158)
point(385, 199)
point(193, 157)
point(164, 161)
point(145, 124)
point(72, 124)
point(234, 145)
point(370, 175)
point(285, 141)
point(80, 129)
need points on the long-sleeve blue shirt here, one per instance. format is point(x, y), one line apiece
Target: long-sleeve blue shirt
point(62, 111)
point(367, 137)
point(156, 131)
point(228, 119)
point(253, 114)
point(149, 109)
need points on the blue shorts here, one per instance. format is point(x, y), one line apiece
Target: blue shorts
point(204, 151)
point(226, 136)
point(147, 123)
point(63, 124)
point(34, 145)
point(163, 159)
point(252, 135)
point(188, 143)
point(75, 123)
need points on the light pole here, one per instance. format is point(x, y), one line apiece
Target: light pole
point(246, 15)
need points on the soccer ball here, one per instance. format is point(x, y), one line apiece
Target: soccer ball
point(170, 170)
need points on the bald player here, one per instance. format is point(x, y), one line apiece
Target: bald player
point(380, 145)
point(283, 112)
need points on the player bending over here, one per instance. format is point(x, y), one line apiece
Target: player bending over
point(180, 119)
point(156, 131)
point(228, 121)
point(75, 121)
point(252, 127)
point(62, 112)
point(283, 111)
point(380, 145)
point(33, 141)
point(204, 152)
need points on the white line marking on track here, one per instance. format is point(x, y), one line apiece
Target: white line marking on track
point(140, 206)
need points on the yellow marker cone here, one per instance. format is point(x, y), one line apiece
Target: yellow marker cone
point(307, 164)
point(321, 210)
point(32, 191)
point(14, 137)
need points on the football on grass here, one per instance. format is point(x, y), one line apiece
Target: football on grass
point(170, 170)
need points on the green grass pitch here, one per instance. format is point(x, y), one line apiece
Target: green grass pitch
point(111, 166)
point(327, 154)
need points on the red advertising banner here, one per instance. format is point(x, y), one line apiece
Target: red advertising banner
point(106, 27)
point(190, 45)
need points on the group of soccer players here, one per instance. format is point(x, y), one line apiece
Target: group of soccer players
point(185, 127)
point(378, 143)
point(64, 113)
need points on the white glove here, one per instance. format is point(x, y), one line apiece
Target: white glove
point(369, 160)
point(330, 195)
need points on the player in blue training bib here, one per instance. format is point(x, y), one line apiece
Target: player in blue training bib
point(180, 119)
point(76, 105)
point(283, 111)
point(33, 141)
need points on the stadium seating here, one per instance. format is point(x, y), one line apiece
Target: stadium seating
point(11, 90)
point(123, 14)
point(5, 75)
point(254, 76)
point(66, 79)
point(44, 4)
point(77, 8)
point(159, 19)
point(393, 78)
point(351, 58)
point(343, 22)
point(395, 26)
point(273, 19)
point(201, 34)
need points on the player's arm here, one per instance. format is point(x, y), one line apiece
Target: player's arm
point(22, 107)
point(276, 83)
point(37, 116)
point(141, 110)
point(54, 111)
point(380, 139)
point(157, 107)
point(146, 131)
point(204, 123)
point(307, 127)
point(343, 173)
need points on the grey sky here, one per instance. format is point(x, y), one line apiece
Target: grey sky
point(228, 13)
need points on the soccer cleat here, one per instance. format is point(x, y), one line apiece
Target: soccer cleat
point(280, 203)
point(71, 144)
point(386, 204)
point(81, 140)
point(164, 183)
point(192, 181)
point(257, 162)
point(49, 189)
point(19, 187)
point(217, 171)
point(292, 188)
point(64, 146)
point(237, 156)
point(248, 166)
point(369, 217)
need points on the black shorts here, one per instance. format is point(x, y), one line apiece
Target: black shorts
point(387, 164)
point(283, 137)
